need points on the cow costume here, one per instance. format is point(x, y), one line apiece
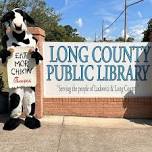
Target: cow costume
point(21, 98)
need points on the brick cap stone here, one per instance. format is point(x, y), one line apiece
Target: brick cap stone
point(36, 31)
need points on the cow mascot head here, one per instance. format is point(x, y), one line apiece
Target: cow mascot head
point(17, 20)
point(16, 35)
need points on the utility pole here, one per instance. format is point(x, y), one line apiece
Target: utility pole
point(125, 23)
point(95, 40)
point(103, 30)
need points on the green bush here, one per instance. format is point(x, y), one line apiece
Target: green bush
point(1, 83)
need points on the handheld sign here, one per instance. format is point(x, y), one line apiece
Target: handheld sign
point(21, 68)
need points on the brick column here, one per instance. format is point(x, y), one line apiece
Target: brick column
point(150, 37)
point(39, 34)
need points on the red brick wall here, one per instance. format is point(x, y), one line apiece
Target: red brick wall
point(100, 107)
point(139, 107)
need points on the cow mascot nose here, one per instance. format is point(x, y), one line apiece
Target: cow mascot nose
point(20, 97)
point(18, 28)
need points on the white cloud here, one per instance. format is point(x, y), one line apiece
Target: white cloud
point(69, 4)
point(105, 14)
point(89, 39)
point(136, 32)
point(140, 14)
point(79, 22)
point(122, 34)
point(107, 33)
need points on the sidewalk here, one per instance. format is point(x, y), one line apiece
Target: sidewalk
point(80, 134)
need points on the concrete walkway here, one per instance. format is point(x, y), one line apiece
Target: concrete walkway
point(79, 134)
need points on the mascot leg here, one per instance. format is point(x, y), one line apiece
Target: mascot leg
point(15, 98)
point(29, 109)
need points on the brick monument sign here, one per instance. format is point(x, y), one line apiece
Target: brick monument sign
point(130, 105)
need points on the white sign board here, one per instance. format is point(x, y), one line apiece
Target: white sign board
point(93, 70)
point(21, 69)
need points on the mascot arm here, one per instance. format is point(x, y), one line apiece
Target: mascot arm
point(4, 54)
point(36, 55)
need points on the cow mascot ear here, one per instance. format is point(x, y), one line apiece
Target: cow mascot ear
point(26, 17)
point(7, 17)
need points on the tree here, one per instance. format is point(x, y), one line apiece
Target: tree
point(1, 33)
point(1, 83)
point(130, 39)
point(121, 39)
point(71, 34)
point(147, 31)
point(46, 18)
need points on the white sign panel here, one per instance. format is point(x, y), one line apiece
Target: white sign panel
point(97, 70)
point(21, 69)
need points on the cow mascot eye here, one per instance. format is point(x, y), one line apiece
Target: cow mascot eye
point(17, 35)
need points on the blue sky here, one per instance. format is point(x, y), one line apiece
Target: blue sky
point(87, 16)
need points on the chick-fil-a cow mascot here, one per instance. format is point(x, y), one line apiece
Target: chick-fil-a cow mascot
point(20, 97)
